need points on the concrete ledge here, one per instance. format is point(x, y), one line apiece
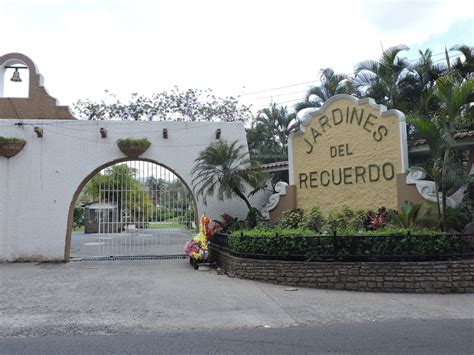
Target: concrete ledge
point(406, 277)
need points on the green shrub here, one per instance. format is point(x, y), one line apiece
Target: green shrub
point(286, 244)
point(457, 218)
point(272, 232)
point(292, 219)
point(143, 143)
point(313, 220)
point(78, 220)
point(7, 140)
point(409, 215)
point(346, 218)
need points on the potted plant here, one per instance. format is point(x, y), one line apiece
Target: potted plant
point(133, 147)
point(10, 147)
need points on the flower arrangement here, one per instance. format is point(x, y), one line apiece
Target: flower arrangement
point(197, 248)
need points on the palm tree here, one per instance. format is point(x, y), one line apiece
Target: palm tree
point(331, 84)
point(263, 146)
point(225, 168)
point(416, 89)
point(439, 132)
point(279, 122)
point(466, 67)
point(380, 79)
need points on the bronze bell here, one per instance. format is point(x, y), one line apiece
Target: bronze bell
point(16, 76)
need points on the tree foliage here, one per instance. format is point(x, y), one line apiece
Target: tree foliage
point(330, 84)
point(439, 130)
point(175, 105)
point(225, 169)
point(381, 79)
point(118, 184)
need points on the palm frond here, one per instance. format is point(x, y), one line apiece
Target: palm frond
point(429, 131)
point(371, 66)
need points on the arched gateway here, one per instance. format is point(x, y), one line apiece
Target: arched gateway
point(135, 208)
point(39, 186)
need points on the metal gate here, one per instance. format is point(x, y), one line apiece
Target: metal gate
point(138, 209)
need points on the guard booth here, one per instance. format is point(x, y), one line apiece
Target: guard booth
point(102, 217)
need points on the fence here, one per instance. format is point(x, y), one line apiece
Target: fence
point(406, 247)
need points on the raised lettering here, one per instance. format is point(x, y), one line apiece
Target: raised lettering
point(381, 132)
point(313, 178)
point(348, 152)
point(315, 134)
point(388, 171)
point(358, 118)
point(340, 149)
point(347, 175)
point(335, 120)
point(359, 172)
point(334, 179)
point(303, 179)
point(368, 122)
point(310, 148)
point(374, 173)
point(332, 151)
point(323, 122)
point(324, 172)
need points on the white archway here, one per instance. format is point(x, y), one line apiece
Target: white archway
point(38, 185)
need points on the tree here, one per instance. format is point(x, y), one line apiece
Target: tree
point(416, 89)
point(262, 145)
point(118, 184)
point(439, 132)
point(466, 67)
point(279, 122)
point(331, 84)
point(176, 105)
point(380, 79)
point(225, 169)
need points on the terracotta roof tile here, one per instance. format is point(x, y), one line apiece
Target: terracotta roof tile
point(457, 136)
point(278, 164)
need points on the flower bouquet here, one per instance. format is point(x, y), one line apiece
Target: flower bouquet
point(197, 248)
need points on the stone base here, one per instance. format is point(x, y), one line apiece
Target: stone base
point(406, 277)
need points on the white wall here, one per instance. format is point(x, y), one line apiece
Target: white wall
point(38, 184)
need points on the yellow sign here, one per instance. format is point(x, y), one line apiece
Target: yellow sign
point(348, 152)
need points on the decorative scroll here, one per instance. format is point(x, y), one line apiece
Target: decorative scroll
point(280, 189)
point(427, 189)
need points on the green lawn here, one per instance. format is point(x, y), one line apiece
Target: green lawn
point(164, 225)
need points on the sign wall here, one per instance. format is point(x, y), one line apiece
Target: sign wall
point(348, 152)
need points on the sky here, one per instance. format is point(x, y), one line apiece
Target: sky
point(245, 48)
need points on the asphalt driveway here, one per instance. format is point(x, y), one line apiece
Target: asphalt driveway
point(162, 241)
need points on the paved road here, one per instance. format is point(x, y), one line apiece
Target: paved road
point(439, 336)
point(163, 241)
point(139, 297)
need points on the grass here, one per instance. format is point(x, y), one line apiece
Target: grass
point(170, 224)
point(7, 140)
point(132, 142)
point(163, 225)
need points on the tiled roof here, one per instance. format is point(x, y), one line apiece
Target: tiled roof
point(457, 136)
point(271, 166)
point(278, 164)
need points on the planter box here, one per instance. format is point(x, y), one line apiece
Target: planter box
point(10, 149)
point(132, 150)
